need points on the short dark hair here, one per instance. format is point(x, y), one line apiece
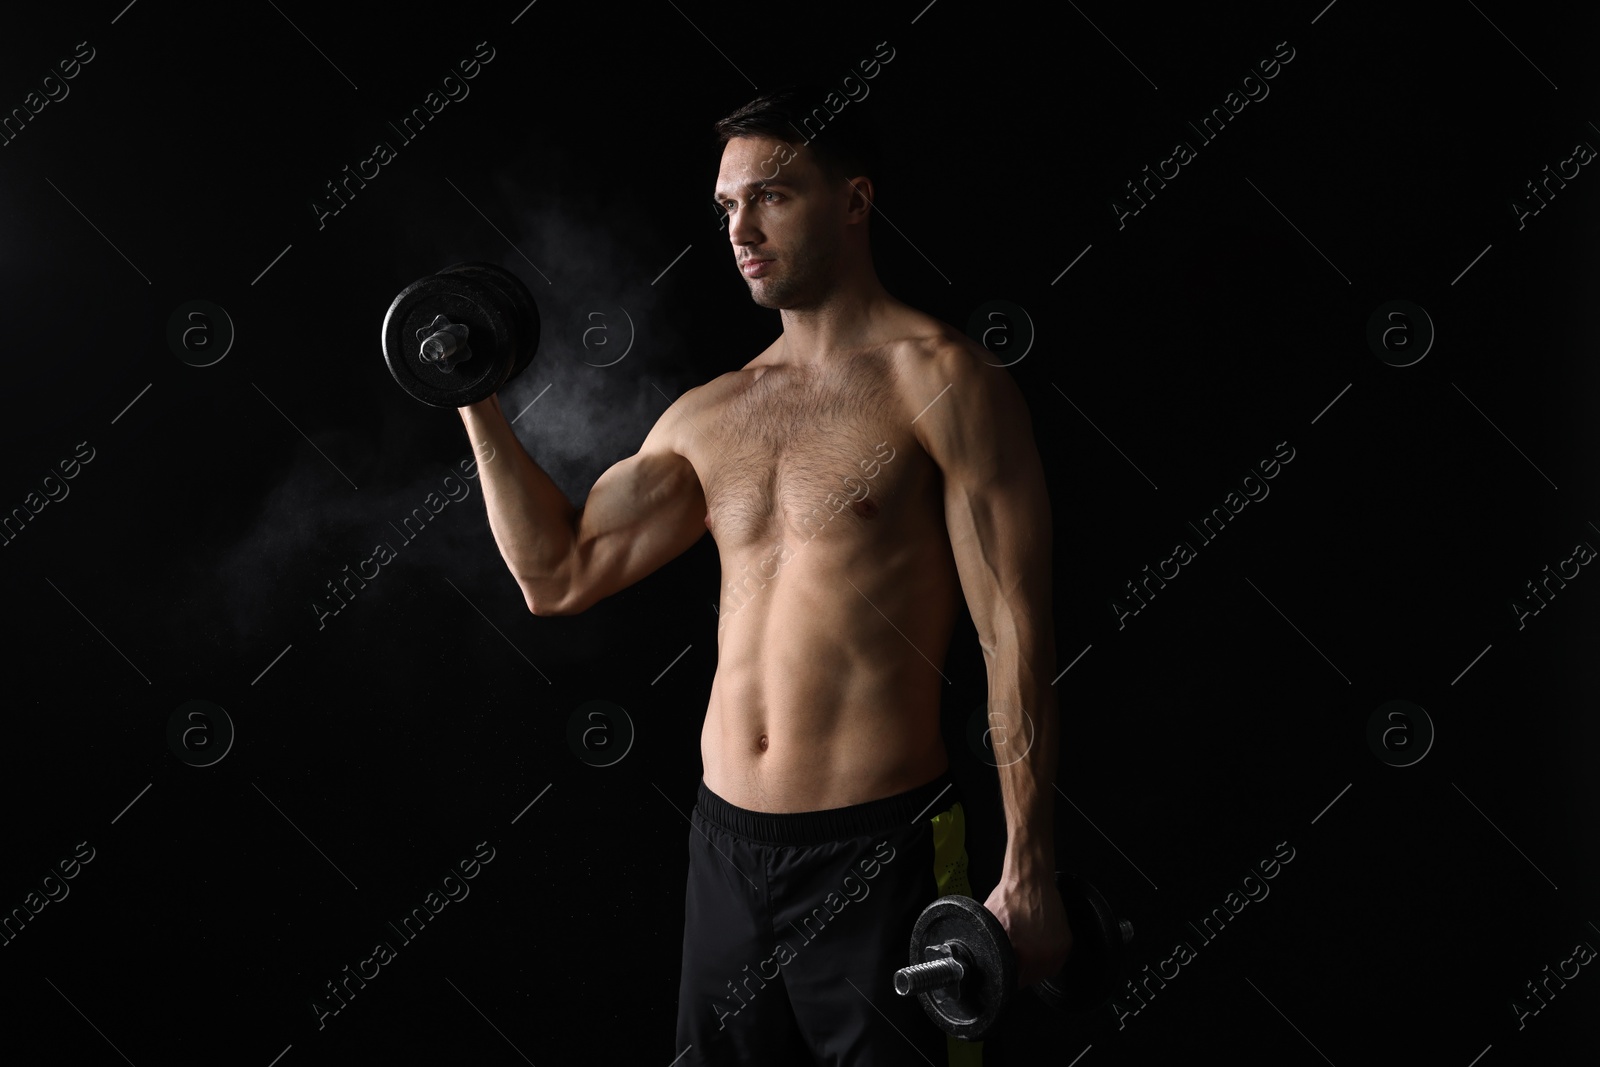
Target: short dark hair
point(843, 141)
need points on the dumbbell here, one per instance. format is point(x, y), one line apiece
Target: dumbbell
point(964, 970)
point(453, 338)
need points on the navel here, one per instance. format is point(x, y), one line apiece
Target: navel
point(866, 507)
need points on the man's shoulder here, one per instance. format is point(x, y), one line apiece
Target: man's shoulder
point(928, 350)
point(938, 366)
point(924, 343)
point(709, 394)
point(678, 425)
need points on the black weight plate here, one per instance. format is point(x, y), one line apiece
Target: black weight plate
point(527, 317)
point(1116, 951)
point(459, 300)
point(506, 300)
point(511, 296)
point(491, 336)
point(1095, 966)
point(970, 1011)
point(516, 296)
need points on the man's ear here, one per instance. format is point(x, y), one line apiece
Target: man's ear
point(859, 205)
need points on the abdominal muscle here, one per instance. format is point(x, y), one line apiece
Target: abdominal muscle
point(818, 701)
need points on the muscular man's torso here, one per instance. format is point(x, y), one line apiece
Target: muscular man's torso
point(839, 589)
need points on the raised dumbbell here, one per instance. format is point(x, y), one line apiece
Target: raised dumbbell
point(453, 338)
point(964, 970)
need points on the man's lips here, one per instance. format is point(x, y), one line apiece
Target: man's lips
point(754, 266)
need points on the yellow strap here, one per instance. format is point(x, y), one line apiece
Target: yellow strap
point(950, 874)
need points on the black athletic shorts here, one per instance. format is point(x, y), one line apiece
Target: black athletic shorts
point(794, 926)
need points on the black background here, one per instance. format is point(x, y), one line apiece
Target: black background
point(1230, 314)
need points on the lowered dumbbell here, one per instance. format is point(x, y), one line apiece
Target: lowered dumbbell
point(964, 970)
point(453, 338)
point(1096, 965)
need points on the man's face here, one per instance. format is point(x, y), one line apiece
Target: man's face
point(782, 210)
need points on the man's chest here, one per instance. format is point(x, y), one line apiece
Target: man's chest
point(800, 456)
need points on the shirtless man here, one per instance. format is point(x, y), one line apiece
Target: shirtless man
point(859, 476)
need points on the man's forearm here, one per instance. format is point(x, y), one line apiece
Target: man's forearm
point(1026, 750)
point(532, 520)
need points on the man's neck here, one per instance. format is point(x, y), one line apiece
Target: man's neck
point(849, 319)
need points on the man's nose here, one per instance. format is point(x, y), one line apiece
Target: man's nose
point(743, 229)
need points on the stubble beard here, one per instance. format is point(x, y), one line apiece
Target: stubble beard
point(799, 282)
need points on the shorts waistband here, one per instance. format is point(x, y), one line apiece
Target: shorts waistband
point(869, 819)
